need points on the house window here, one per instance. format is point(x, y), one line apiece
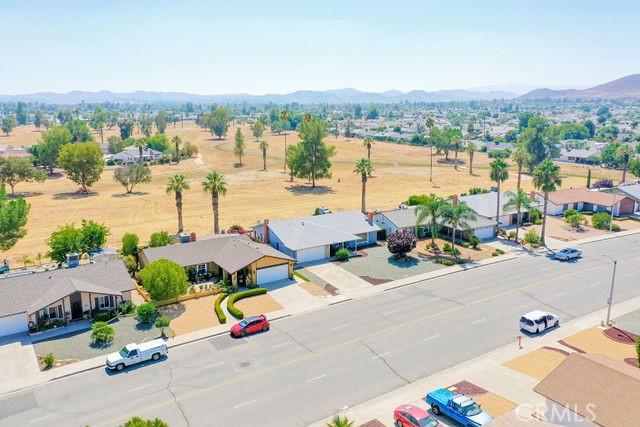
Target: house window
point(55, 312)
point(201, 268)
point(105, 301)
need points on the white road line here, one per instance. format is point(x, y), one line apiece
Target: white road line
point(434, 299)
point(475, 322)
point(282, 344)
point(593, 284)
point(213, 365)
point(431, 337)
point(338, 327)
point(476, 287)
point(42, 418)
point(511, 278)
point(139, 388)
point(379, 355)
point(389, 312)
point(628, 274)
point(316, 378)
point(561, 294)
point(520, 307)
point(244, 404)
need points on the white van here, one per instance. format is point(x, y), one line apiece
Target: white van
point(136, 353)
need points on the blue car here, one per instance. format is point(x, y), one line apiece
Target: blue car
point(458, 407)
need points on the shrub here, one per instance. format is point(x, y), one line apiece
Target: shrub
point(131, 263)
point(601, 220)
point(159, 238)
point(494, 253)
point(240, 295)
point(146, 311)
point(603, 183)
point(445, 261)
point(164, 279)
point(101, 332)
point(474, 241)
point(615, 227)
point(225, 286)
point(130, 243)
point(139, 422)
point(49, 360)
point(301, 276)
point(417, 199)
point(448, 248)
point(535, 215)
point(568, 212)
point(382, 234)
point(102, 316)
point(401, 242)
point(477, 190)
point(532, 237)
point(127, 307)
point(162, 322)
point(216, 307)
point(576, 220)
point(511, 235)
point(343, 254)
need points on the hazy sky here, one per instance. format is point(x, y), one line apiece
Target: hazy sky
point(276, 46)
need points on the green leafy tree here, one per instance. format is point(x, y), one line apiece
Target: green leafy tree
point(177, 185)
point(161, 120)
point(102, 333)
point(126, 128)
point(164, 279)
point(239, 145)
point(539, 142)
point(130, 244)
point(518, 200)
point(65, 240)
point(625, 154)
point(546, 178)
point(217, 121)
point(263, 147)
point(257, 129)
point(131, 175)
point(634, 167)
point(456, 141)
point(312, 155)
point(139, 422)
point(363, 168)
point(146, 311)
point(8, 124)
point(22, 114)
point(162, 322)
point(115, 144)
point(215, 184)
point(159, 238)
point(145, 124)
point(15, 170)
point(159, 142)
point(83, 163)
point(80, 132)
point(429, 210)
point(94, 235)
point(64, 115)
point(576, 220)
point(99, 121)
point(499, 172)
point(39, 119)
point(47, 151)
point(457, 216)
point(13, 218)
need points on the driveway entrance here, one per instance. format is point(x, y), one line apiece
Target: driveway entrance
point(17, 358)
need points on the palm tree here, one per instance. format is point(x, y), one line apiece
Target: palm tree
point(521, 157)
point(263, 146)
point(430, 210)
point(283, 116)
point(624, 153)
point(430, 125)
point(518, 200)
point(499, 173)
point(339, 421)
point(364, 168)
point(457, 215)
point(178, 184)
point(455, 144)
point(546, 178)
point(470, 149)
point(367, 143)
point(176, 143)
point(141, 143)
point(215, 184)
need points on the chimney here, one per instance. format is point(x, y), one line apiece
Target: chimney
point(532, 195)
point(370, 217)
point(454, 200)
point(266, 231)
point(192, 236)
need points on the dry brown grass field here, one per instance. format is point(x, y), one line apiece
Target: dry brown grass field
point(400, 170)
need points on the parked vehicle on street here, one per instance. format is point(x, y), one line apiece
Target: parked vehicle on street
point(250, 325)
point(458, 407)
point(538, 321)
point(132, 354)
point(567, 254)
point(412, 416)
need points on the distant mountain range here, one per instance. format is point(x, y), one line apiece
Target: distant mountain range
point(623, 88)
point(339, 96)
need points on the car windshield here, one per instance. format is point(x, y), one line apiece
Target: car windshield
point(123, 352)
point(428, 422)
point(244, 323)
point(472, 410)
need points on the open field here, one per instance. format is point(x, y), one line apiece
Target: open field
point(400, 170)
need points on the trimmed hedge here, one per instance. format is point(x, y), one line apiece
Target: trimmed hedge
point(240, 295)
point(221, 317)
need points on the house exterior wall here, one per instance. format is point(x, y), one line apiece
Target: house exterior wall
point(275, 242)
point(268, 261)
point(382, 222)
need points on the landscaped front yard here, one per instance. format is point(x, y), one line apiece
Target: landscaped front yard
point(559, 229)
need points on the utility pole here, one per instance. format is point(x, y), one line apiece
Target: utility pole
point(613, 281)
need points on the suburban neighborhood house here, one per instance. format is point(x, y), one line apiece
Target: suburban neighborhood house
point(590, 389)
point(485, 205)
point(628, 190)
point(131, 154)
point(314, 238)
point(584, 199)
point(578, 155)
point(62, 295)
point(226, 256)
point(7, 150)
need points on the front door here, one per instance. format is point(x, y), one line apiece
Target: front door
point(242, 278)
point(76, 305)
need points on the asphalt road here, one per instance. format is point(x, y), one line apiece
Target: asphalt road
point(312, 365)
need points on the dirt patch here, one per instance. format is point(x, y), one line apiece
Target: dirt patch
point(191, 315)
point(56, 364)
point(467, 388)
point(425, 251)
point(563, 352)
point(372, 423)
point(623, 337)
point(374, 281)
point(538, 363)
point(633, 361)
point(258, 304)
point(313, 289)
point(594, 341)
point(332, 290)
point(494, 404)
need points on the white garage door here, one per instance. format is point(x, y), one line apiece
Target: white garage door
point(484, 233)
point(271, 274)
point(311, 254)
point(15, 324)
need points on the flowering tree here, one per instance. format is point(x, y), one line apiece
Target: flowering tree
point(400, 243)
point(603, 183)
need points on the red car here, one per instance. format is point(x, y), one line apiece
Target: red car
point(412, 416)
point(250, 325)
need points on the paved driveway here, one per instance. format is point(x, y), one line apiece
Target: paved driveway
point(17, 358)
point(337, 277)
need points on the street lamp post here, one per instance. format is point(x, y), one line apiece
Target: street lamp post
point(613, 281)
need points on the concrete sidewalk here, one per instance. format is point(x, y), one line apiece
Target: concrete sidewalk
point(486, 371)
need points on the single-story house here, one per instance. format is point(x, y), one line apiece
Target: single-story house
point(313, 238)
point(131, 154)
point(233, 256)
point(590, 390)
point(65, 295)
point(7, 150)
point(485, 205)
point(404, 219)
point(628, 190)
point(578, 155)
point(585, 199)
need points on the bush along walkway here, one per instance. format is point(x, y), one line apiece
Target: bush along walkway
point(240, 295)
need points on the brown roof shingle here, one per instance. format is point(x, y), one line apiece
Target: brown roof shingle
point(575, 195)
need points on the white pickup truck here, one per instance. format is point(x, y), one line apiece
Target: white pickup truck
point(136, 353)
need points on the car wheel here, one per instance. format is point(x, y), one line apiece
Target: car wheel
point(155, 356)
point(555, 325)
point(398, 423)
point(265, 328)
point(119, 366)
point(537, 330)
point(435, 409)
point(242, 333)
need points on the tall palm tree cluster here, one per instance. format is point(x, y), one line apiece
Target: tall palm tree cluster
point(437, 211)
